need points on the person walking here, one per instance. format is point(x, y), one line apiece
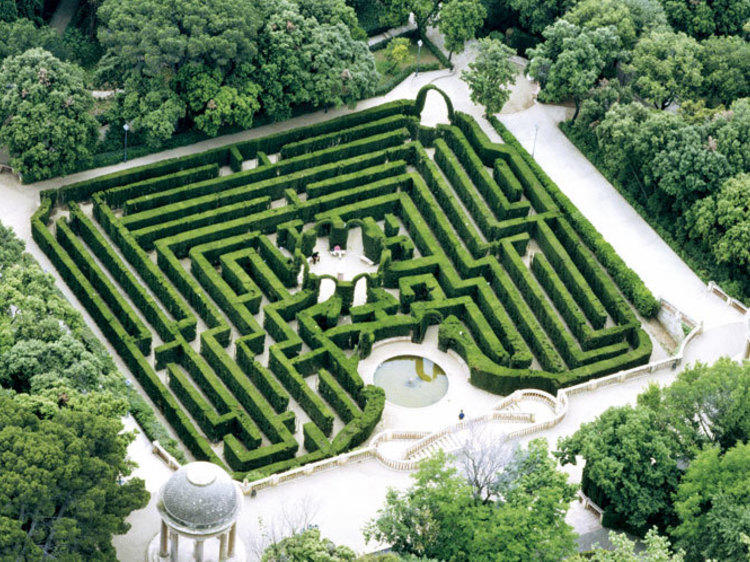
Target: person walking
point(461, 415)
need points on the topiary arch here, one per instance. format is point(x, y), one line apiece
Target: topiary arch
point(422, 96)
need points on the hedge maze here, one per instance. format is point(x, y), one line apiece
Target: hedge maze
point(196, 270)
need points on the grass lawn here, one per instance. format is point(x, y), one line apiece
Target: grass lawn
point(388, 71)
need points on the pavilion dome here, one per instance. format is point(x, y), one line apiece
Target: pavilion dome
point(200, 498)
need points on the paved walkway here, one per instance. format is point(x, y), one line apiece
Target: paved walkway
point(63, 14)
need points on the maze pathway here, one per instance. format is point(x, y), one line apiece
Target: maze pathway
point(196, 269)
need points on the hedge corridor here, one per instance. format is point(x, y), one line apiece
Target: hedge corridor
point(196, 270)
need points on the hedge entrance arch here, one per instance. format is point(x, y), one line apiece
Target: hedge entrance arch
point(422, 97)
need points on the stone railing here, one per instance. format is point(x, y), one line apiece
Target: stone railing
point(590, 505)
point(494, 415)
point(731, 301)
point(162, 453)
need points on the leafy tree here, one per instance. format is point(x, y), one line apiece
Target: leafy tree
point(571, 60)
point(490, 75)
point(702, 18)
point(713, 504)
point(395, 12)
point(657, 549)
point(665, 67)
point(599, 101)
point(397, 51)
point(592, 14)
point(535, 16)
point(686, 167)
point(631, 466)
point(8, 10)
point(307, 546)
point(22, 35)
point(59, 484)
point(45, 114)
point(726, 69)
point(722, 220)
point(305, 62)
point(459, 22)
point(332, 12)
point(151, 46)
point(442, 517)
point(11, 247)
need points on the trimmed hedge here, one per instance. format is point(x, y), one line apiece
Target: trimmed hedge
point(474, 233)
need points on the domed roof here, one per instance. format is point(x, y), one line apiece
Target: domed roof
point(200, 498)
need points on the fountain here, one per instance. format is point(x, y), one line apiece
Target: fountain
point(411, 381)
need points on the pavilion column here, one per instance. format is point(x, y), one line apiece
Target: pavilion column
point(198, 550)
point(164, 540)
point(232, 540)
point(222, 547)
point(174, 550)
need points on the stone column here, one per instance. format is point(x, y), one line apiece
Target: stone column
point(198, 550)
point(222, 547)
point(173, 552)
point(164, 540)
point(232, 540)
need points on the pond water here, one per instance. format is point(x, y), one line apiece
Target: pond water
point(411, 381)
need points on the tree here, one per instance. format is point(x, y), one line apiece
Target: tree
point(631, 468)
point(571, 60)
point(535, 16)
point(726, 69)
point(702, 18)
point(481, 458)
point(592, 14)
point(332, 12)
point(22, 35)
point(713, 505)
point(305, 62)
point(657, 550)
point(395, 12)
point(459, 22)
point(157, 50)
point(490, 75)
point(45, 115)
point(442, 516)
point(397, 51)
point(665, 67)
point(307, 546)
point(59, 484)
point(686, 167)
point(722, 221)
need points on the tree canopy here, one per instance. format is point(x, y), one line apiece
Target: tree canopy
point(636, 456)
point(490, 75)
point(665, 67)
point(307, 546)
point(59, 484)
point(459, 22)
point(442, 517)
point(713, 505)
point(45, 110)
point(571, 60)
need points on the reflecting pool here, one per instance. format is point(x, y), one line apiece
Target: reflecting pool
point(411, 381)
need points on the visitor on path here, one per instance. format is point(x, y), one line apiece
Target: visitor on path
point(461, 415)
